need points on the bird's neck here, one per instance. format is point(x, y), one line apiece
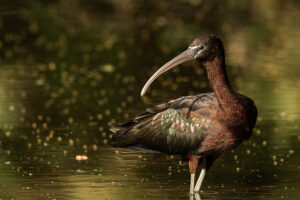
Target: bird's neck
point(217, 76)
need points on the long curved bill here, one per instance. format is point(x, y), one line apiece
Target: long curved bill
point(181, 58)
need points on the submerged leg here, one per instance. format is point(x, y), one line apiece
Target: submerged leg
point(197, 196)
point(193, 164)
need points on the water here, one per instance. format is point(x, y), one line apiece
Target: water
point(69, 70)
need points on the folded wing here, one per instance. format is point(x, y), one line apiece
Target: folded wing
point(178, 126)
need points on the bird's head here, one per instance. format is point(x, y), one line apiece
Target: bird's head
point(206, 48)
point(203, 48)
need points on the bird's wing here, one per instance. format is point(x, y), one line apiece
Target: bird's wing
point(178, 126)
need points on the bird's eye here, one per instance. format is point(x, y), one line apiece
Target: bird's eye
point(201, 47)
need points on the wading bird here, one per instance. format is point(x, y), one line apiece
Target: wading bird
point(199, 127)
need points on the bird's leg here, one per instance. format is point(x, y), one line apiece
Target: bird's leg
point(201, 177)
point(193, 164)
point(192, 183)
point(200, 180)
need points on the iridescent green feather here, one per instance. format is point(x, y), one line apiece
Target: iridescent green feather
point(165, 128)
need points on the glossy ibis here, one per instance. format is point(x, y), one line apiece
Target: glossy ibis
point(199, 127)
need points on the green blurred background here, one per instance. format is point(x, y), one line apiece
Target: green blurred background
point(69, 69)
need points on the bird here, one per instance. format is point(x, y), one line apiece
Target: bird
point(200, 127)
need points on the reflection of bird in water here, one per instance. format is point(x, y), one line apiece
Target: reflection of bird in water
point(199, 127)
point(197, 197)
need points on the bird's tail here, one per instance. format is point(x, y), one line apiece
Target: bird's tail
point(125, 134)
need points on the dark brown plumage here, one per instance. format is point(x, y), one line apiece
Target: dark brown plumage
point(199, 127)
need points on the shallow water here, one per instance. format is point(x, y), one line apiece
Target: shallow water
point(68, 71)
